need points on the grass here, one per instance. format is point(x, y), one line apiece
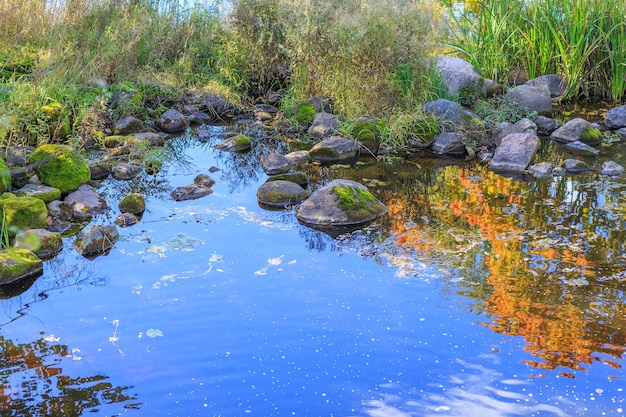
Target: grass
point(4, 232)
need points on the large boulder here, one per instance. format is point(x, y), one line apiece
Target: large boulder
point(577, 129)
point(173, 121)
point(18, 264)
point(616, 117)
point(96, 240)
point(324, 125)
point(60, 166)
point(450, 112)
point(515, 152)
point(334, 150)
point(460, 77)
point(530, 98)
point(23, 213)
point(340, 203)
point(280, 194)
point(86, 202)
point(5, 176)
point(555, 84)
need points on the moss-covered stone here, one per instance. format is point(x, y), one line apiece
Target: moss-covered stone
point(60, 124)
point(17, 264)
point(591, 136)
point(324, 153)
point(133, 203)
point(43, 243)
point(5, 176)
point(280, 194)
point(23, 213)
point(424, 129)
point(60, 166)
point(305, 113)
point(42, 192)
point(114, 141)
point(299, 178)
point(242, 140)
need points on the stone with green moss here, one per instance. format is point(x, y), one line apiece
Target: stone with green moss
point(17, 264)
point(59, 122)
point(280, 194)
point(237, 143)
point(340, 203)
point(40, 191)
point(334, 150)
point(299, 178)
point(591, 136)
point(369, 131)
point(133, 203)
point(423, 130)
point(22, 213)
point(114, 141)
point(305, 113)
point(5, 176)
point(43, 243)
point(61, 167)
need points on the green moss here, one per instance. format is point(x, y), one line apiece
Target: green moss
point(297, 177)
point(47, 194)
point(424, 129)
point(133, 203)
point(242, 140)
point(60, 167)
point(60, 125)
point(591, 136)
point(367, 130)
point(305, 113)
point(5, 176)
point(354, 198)
point(23, 213)
point(114, 141)
point(17, 264)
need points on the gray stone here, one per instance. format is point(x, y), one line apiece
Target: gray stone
point(125, 171)
point(204, 180)
point(460, 77)
point(615, 118)
point(321, 104)
point(334, 150)
point(96, 240)
point(99, 170)
point(525, 125)
point(540, 170)
point(220, 108)
point(200, 118)
point(190, 192)
point(577, 129)
point(515, 152)
point(530, 98)
point(448, 143)
point(280, 194)
point(612, 168)
point(297, 157)
point(237, 143)
point(40, 191)
point(579, 148)
point(275, 163)
point(555, 84)
point(173, 121)
point(575, 165)
point(325, 208)
point(127, 125)
point(86, 202)
point(450, 112)
point(324, 125)
point(546, 125)
point(126, 219)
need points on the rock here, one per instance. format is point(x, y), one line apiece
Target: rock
point(299, 178)
point(125, 171)
point(579, 148)
point(96, 240)
point(220, 108)
point(515, 152)
point(173, 121)
point(368, 131)
point(449, 112)
point(324, 125)
point(621, 132)
point(237, 143)
point(126, 219)
point(43, 243)
point(86, 202)
point(59, 215)
point(150, 138)
point(200, 118)
point(540, 170)
point(528, 98)
point(280, 194)
point(546, 125)
point(127, 125)
point(297, 157)
point(42, 192)
point(340, 203)
point(615, 118)
point(554, 83)
point(558, 171)
point(61, 167)
point(114, 141)
point(448, 143)
point(460, 77)
point(577, 129)
point(612, 168)
point(575, 166)
point(321, 104)
point(334, 150)
point(22, 213)
point(133, 203)
point(204, 180)
point(273, 97)
point(18, 264)
point(5, 176)
point(201, 187)
point(525, 125)
point(275, 163)
point(98, 170)
point(18, 155)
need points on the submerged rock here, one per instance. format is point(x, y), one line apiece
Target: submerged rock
point(18, 264)
point(280, 194)
point(133, 203)
point(340, 203)
point(96, 240)
point(126, 219)
point(201, 187)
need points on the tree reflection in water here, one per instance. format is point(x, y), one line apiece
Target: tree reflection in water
point(33, 384)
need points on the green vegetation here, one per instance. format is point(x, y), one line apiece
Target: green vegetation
point(354, 198)
point(582, 40)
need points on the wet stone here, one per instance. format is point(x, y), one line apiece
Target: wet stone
point(275, 163)
point(280, 194)
point(612, 168)
point(126, 219)
point(125, 171)
point(575, 165)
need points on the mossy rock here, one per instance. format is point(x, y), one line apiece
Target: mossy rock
point(17, 264)
point(5, 176)
point(22, 213)
point(60, 124)
point(43, 243)
point(114, 141)
point(237, 143)
point(299, 178)
point(61, 167)
point(424, 129)
point(305, 113)
point(591, 136)
point(280, 194)
point(133, 203)
point(42, 192)
point(369, 131)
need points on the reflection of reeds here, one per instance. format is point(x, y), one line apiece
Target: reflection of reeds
point(582, 40)
point(4, 231)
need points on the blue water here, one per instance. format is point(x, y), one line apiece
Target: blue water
point(217, 307)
